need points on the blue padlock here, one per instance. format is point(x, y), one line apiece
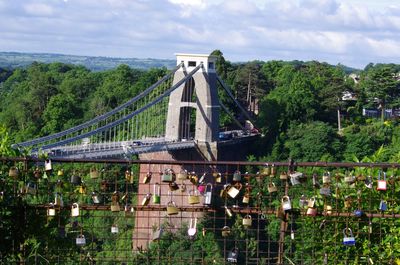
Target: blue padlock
point(348, 239)
point(358, 213)
point(383, 206)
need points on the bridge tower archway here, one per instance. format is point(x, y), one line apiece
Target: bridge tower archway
point(197, 98)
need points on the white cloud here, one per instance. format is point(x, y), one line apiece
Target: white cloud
point(38, 9)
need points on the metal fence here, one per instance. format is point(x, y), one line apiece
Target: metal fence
point(81, 211)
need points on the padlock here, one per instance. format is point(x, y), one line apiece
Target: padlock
point(173, 186)
point(201, 188)
point(95, 197)
point(128, 176)
point(146, 199)
point(247, 221)
point(233, 191)
point(237, 176)
point(295, 178)
point(82, 188)
point(58, 200)
point(193, 197)
point(326, 178)
point(218, 177)
point(115, 202)
point(37, 173)
point(347, 202)
point(208, 194)
point(328, 209)
point(226, 231)
point(158, 234)
point(75, 210)
point(383, 205)
point(13, 172)
point(202, 178)
point(303, 201)
point(76, 179)
point(265, 171)
point(228, 211)
point(47, 165)
point(233, 255)
point(193, 178)
point(94, 173)
point(104, 185)
point(286, 204)
point(157, 193)
point(273, 171)
point(80, 240)
point(325, 190)
point(192, 230)
point(283, 175)
point(60, 173)
point(312, 211)
point(358, 213)
point(368, 182)
point(182, 175)
point(348, 238)
point(182, 187)
point(114, 229)
point(311, 202)
point(51, 211)
point(246, 176)
point(315, 181)
point(147, 178)
point(171, 208)
point(381, 185)
point(168, 175)
point(246, 198)
point(272, 188)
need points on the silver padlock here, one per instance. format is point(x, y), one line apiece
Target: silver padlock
point(75, 210)
point(80, 240)
point(286, 204)
point(208, 194)
point(326, 178)
point(295, 178)
point(47, 165)
point(237, 176)
point(381, 184)
point(95, 198)
point(114, 229)
point(348, 238)
point(51, 211)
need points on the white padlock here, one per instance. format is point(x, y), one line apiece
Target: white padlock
point(75, 210)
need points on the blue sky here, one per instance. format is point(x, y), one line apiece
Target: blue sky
point(351, 32)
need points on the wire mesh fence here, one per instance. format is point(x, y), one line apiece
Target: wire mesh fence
point(191, 212)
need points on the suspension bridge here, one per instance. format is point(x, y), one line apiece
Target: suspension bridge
point(179, 111)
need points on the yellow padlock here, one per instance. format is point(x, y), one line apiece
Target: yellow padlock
point(172, 209)
point(193, 197)
point(247, 221)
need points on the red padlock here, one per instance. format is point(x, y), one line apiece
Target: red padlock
point(381, 183)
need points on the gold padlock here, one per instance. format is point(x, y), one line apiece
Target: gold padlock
point(146, 199)
point(115, 202)
point(247, 221)
point(266, 171)
point(182, 175)
point(232, 191)
point(273, 171)
point(128, 176)
point(94, 173)
point(328, 209)
point(347, 202)
point(172, 209)
point(246, 198)
point(283, 175)
point(51, 211)
point(13, 172)
point(147, 178)
point(193, 197)
point(272, 188)
point(226, 231)
point(60, 173)
point(82, 188)
point(218, 177)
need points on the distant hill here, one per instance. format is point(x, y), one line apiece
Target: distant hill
point(16, 59)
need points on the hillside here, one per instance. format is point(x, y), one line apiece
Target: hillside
point(15, 59)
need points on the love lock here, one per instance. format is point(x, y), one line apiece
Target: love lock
point(348, 239)
point(358, 213)
point(60, 173)
point(193, 197)
point(75, 179)
point(47, 165)
point(51, 211)
point(383, 205)
point(146, 199)
point(247, 221)
point(283, 175)
point(94, 173)
point(311, 202)
point(58, 200)
point(115, 202)
point(246, 197)
point(147, 178)
point(233, 191)
point(312, 211)
point(303, 201)
point(158, 234)
point(192, 230)
point(326, 178)
point(182, 175)
point(325, 190)
point(349, 179)
point(272, 188)
point(168, 175)
point(201, 188)
point(171, 208)
point(295, 178)
point(128, 176)
point(381, 185)
point(237, 176)
point(114, 229)
point(75, 210)
point(286, 205)
point(218, 177)
point(233, 255)
point(157, 193)
point(95, 198)
point(226, 231)
point(208, 194)
point(80, 240)
point(13, 172)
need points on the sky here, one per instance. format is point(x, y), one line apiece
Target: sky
point(350, 32)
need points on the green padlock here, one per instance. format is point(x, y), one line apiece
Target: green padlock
point(157, 194)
